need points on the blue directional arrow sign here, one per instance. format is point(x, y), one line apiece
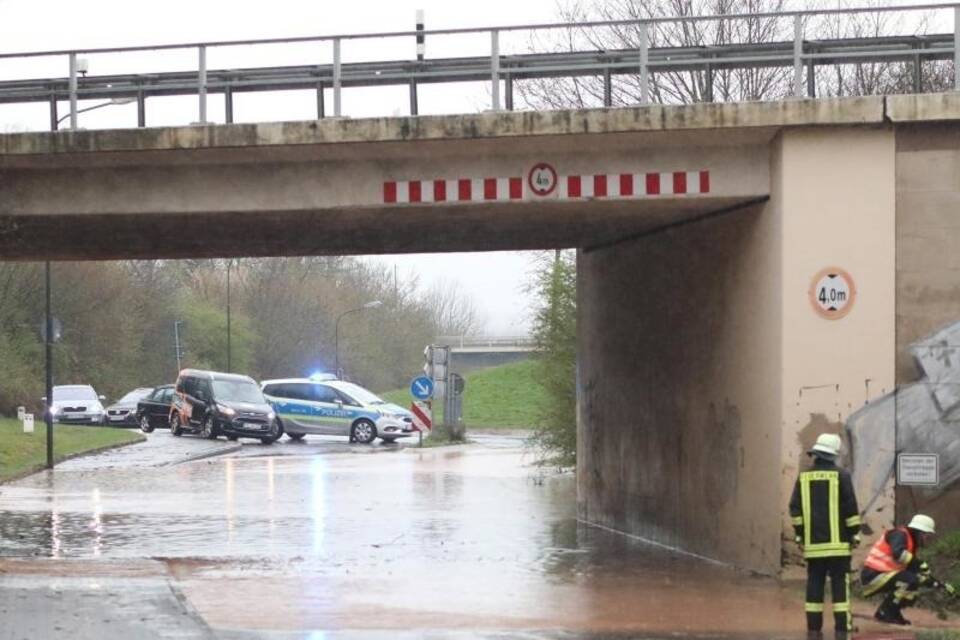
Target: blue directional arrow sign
point(421, 388)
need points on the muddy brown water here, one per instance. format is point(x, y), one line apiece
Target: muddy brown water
point(473, 538)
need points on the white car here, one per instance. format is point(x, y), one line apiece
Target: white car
point(334, 407)
point(77, 403)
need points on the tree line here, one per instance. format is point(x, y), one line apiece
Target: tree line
point(118, 322)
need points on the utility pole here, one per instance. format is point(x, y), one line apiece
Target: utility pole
point(48, 344)
point(176, 343)
point(229, 350)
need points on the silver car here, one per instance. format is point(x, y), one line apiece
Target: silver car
point(77, 403)
point(124, 410)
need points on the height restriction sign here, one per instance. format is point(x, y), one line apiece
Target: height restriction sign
point(832, 293)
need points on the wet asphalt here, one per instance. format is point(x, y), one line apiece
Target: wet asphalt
point(182, 537)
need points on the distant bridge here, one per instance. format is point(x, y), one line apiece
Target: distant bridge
point(487, 344)
point(477, 352)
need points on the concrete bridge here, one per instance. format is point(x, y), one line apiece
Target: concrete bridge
point(749, 274)
point(477, 352)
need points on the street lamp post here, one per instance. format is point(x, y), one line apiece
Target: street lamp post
point(97, 106)
point(229, 350)
point(336, 338)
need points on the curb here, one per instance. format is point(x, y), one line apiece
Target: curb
point(207, 454)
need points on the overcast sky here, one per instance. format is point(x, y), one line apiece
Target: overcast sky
point(494, 281)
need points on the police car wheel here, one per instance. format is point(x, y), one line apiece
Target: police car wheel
point(295, 436)
point(364, 431)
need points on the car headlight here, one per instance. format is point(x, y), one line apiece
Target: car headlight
point(271, 415)
point(227, 411)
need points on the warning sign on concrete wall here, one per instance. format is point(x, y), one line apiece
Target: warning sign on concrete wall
point(832, 293)
point(921, 469)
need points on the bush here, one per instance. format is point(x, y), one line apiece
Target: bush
point(555, 330)
point(944, 559)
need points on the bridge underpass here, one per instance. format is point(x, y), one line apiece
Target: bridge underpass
point(704, 367)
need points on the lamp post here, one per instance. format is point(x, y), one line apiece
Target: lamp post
point(229, 350)
point(336, 338)
point(108, 103)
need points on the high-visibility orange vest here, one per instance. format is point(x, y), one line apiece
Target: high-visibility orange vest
point(881, 557)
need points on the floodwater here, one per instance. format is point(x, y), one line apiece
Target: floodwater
point(472, 538)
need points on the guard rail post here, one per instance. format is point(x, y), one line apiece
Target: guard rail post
point(495, 69)
point(956, 48)
point(202, 82)
point(73, 90)
point(336, 78)
point(797, 57)
point(644, 45)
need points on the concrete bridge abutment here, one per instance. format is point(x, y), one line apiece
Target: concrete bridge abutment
point(705, 369)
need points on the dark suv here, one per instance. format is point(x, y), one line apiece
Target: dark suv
point(211, 403)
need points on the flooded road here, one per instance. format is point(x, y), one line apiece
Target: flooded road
point(303, 541)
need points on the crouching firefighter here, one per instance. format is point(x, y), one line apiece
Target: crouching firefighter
point(893, 567)
point(826, 523)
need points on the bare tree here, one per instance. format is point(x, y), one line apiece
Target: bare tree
point(453, 313)
point(725, 84)
point(669, 87)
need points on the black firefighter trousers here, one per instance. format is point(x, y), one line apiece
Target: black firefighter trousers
point(838, 568)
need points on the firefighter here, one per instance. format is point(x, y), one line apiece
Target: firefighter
point(826, 523)
point(894, 567)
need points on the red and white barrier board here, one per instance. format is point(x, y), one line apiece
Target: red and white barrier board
point(543, 182)
point(422, 416)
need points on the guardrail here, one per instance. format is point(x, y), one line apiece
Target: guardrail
point(497, 67)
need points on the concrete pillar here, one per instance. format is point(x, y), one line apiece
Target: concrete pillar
point(835, 192)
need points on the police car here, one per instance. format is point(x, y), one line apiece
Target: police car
point(333, 407)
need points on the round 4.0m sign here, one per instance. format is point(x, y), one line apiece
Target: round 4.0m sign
point(832, 293)
point(542, 179)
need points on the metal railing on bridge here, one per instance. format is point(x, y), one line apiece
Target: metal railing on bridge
point(488, 343)
point(802, 53)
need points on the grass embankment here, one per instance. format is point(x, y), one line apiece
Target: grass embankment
point(22, 452)
point(944, 559)
point(505, 397)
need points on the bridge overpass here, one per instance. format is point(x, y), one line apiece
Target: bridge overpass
point(476, 352)
point(707, 236)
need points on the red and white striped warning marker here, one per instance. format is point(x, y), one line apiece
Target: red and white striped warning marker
point(422, 416)
point(571, 187)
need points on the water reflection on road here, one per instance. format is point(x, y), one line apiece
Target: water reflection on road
point(433, 539)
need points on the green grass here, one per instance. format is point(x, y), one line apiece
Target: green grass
point(502, 397)
point(21, 452)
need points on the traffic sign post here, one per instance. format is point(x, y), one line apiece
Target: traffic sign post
point(422, 417)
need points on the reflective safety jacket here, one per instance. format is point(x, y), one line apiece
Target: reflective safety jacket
point(824, 512)
point(894, 551)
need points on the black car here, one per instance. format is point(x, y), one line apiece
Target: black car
point(153, 411)
point(211, 403)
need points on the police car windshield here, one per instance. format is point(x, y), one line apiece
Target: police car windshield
point(237, 391)
point(360, 394)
